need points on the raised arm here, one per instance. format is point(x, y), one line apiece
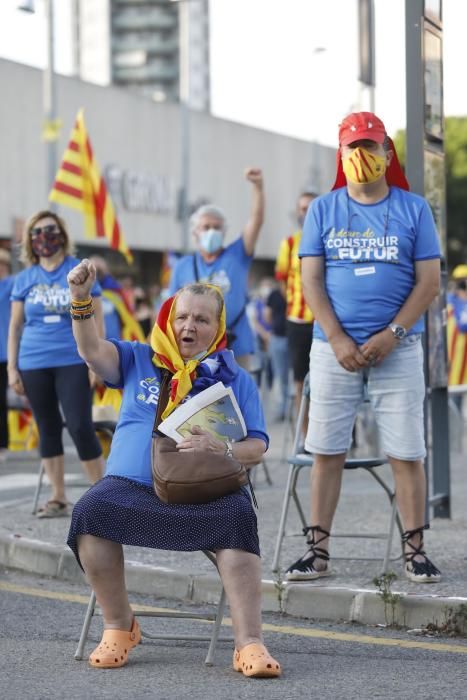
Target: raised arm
point(100, 355)
point(254, 223)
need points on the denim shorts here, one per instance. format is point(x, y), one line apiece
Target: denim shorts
point(395, 388)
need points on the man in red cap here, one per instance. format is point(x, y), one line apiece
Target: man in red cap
point(370, 269)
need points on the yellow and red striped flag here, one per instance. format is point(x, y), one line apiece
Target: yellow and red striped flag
point(80, 185)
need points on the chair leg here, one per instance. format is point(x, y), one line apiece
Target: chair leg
point(216, 629)
point(291, 479)
point(395, 517)
point(85, 628)
point(297, 502)
point(38, 488)
point(266, 472)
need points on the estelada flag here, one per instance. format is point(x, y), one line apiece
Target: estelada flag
point(80, 185)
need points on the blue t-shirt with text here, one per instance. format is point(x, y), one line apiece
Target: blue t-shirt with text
point(130, 455)
point(229, 271)
point(47, 339)
point(369, 252)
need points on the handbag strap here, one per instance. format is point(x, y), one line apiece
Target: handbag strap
point(164, 394)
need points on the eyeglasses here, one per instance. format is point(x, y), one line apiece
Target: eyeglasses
point(49, 231)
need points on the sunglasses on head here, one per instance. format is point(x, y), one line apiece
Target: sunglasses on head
point(49, 230)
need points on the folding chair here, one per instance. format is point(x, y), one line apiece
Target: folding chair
point(289, 423)
point(106, 427)
point(298, 461)
point(216, 618)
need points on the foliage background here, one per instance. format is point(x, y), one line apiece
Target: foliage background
point(455, 143)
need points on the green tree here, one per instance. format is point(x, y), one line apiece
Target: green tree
point(456, 185)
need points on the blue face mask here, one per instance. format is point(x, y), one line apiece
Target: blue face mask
point(211, 240)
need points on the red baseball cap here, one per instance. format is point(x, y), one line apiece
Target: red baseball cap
point(361, 125)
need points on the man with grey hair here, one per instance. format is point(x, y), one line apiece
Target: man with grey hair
point(227, 267)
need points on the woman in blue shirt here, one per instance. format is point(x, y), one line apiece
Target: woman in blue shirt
point(43, 361)
point(123, 508)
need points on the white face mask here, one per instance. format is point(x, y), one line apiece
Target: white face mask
point(211, 240)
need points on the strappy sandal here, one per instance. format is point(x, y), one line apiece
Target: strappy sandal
point(303, 569)
point(254, 661)
point(112, 652)
point(53, 509)
point(419, 571)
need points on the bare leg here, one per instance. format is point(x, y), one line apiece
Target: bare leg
point(94, 469)
point(326, 480)
point(410, 481)
point(103, 563)
point(54, 467)
point(241, 575)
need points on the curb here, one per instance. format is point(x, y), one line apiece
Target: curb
point(302, 600)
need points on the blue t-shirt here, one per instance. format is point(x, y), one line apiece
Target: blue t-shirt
point(130, 455)
point(47, 339)
point(6, 285)
point(369, 253)
point(229, 271)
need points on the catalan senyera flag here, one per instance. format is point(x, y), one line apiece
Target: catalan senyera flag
point(457, 350)
point(80, 185)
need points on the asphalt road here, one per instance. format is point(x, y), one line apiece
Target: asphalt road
point(41, 620)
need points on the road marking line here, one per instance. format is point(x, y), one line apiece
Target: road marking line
point(267, 627)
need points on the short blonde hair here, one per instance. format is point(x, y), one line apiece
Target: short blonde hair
point(27, 254)
point(202, 289)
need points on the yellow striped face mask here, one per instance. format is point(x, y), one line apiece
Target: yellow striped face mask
point(363, 167)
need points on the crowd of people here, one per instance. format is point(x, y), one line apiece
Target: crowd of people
point(346, 305)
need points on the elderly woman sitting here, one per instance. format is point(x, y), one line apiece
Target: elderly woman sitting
point(123, 508)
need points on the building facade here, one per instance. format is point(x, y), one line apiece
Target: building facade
point(137, 144)
point(150, 46)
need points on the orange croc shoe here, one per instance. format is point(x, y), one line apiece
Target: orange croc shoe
point(114, 646)
point(255, 661)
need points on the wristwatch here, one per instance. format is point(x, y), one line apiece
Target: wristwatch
point(228, 448)
point(398, 331)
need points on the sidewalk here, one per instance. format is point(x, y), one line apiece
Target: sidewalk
point(34, 545)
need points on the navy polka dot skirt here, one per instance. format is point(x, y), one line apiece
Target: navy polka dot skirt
point(125, 511)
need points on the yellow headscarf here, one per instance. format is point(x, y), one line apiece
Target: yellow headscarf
point(167, 354)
